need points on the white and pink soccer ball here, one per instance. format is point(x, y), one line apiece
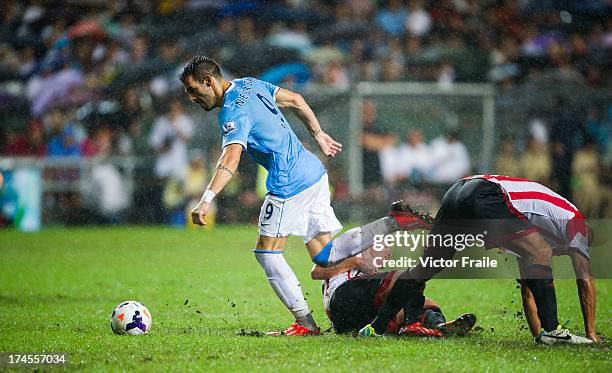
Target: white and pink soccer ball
point(131, 317)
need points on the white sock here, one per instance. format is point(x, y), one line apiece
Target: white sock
point(354, 241)
point(346, 245)
point(283, 281)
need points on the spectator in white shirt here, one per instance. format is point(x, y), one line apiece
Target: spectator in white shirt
point(419, 21)
point(450, 159)
point(414, 157)
point(170, 137)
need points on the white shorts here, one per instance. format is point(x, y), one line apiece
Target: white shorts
point(307, 214)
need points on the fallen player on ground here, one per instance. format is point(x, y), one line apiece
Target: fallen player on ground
point(354, 290)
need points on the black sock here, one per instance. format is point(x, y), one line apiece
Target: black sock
point(406, 293)
point(433, 316)
point(413, 308)
point(540, 282)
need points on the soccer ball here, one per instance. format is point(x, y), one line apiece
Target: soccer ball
point(131, 317)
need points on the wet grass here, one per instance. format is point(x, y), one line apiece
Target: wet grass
point(210, 301)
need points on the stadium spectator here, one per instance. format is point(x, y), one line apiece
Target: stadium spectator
point(30, 144)
point(504, 58)
point(373, 140)
point(140, 50)
point(392, 17)
point(538, 129)
point(450, 160)
point(446, 74)
point(169, 56)
point(507, 162)
point(98, 142)
point(335, 75)
point(598, 128)
point(296, 37)
point(535, 162)
point(419, 21)
point(195, 180)
point(106, 194)
point(413, 157)
point(64, 137)
point(170, 137)
point(391, 70)
point(586, 187)
point(534, 44)
point(15, 143)
point(387, 156)
point(247, 34)
point(130, 108)
point(133, 141)
point(565, 133)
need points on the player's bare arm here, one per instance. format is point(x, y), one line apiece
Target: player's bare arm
point(586, 292)
point(226, 168)
point(322, 273)
point(529, 305)
point(295, 101)
point(365, 263)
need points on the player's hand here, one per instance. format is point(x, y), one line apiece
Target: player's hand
point(594, 337)
point(328, 146)
point(199, 212)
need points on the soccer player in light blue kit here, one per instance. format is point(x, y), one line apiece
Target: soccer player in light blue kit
point(298, 200)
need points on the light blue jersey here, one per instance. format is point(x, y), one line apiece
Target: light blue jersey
point(249, 116)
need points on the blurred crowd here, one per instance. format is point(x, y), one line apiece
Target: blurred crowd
point(564, 151)
point(92, 78)
point(392, 161)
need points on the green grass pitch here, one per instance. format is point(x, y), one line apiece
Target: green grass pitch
point(58, 288)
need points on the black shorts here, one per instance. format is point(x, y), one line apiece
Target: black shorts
point(476, 206)
point(355, 303)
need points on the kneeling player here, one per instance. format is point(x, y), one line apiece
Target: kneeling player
point(532, 222)
point(353, 291)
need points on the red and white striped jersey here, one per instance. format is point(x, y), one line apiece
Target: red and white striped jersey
point(559, 221)
point(331, 284)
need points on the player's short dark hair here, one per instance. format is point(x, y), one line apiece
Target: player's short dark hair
point(198, 67)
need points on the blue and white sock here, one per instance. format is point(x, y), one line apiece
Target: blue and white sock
point(285, 285)
point(354, 241)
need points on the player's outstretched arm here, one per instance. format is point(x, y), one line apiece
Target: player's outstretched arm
point(226, 168)
point(586, 292)
point(295, 101)
point(322, 273)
